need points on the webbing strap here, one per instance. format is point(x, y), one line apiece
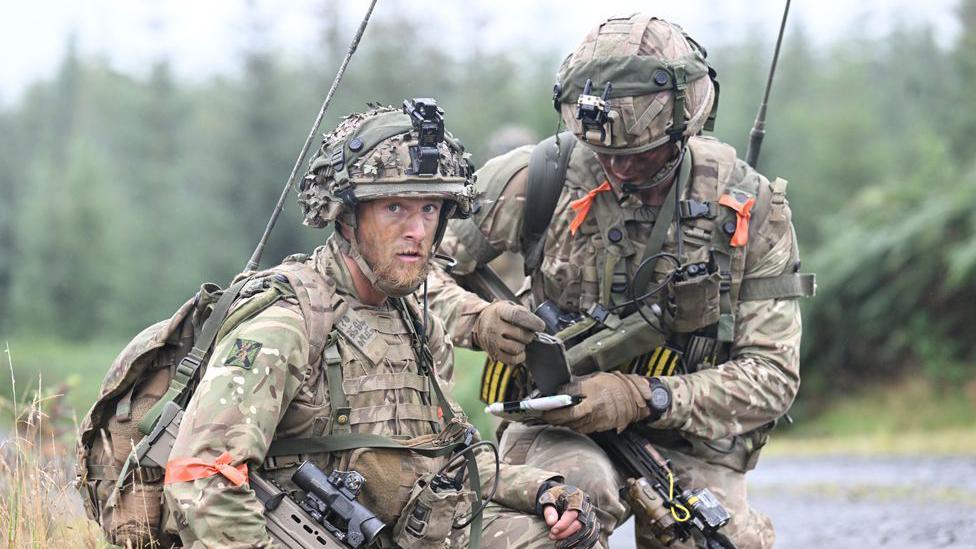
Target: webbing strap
point(426, 360)
point(189, 364)
point(123, 410)
point(351, 441)
point(341, 442)
point(337, 395)
point(726, 317)
point(785, 286)
point(547, 174)
point(661, 225)
point(474, 479)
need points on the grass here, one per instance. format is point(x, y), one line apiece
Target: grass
point(75, 368)
point(38, 507)
point(912, 416)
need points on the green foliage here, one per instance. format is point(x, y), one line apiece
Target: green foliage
point(120, 195)
point(63, 367)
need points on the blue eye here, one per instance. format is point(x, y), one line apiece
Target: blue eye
point(394, 207)
point(430, 208)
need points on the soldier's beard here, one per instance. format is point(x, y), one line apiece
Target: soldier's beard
point(394, 277)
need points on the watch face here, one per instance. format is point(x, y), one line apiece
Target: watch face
point(660, 399)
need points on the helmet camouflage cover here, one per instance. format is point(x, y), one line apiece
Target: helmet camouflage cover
point(387, 152)
point(635, 83)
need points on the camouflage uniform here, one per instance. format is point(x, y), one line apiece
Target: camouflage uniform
point(260, 386)
point(722, 411)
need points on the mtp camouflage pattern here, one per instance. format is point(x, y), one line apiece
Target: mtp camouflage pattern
point(642, 57)
point(722, 409)
point(380, 171)
point(260, 386)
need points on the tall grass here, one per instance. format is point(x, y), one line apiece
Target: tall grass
point(38, 505)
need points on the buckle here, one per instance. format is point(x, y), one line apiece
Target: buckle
point(346, 193)
point(726, 283)
point(693, 209)
point(598, 313)
point(188, 365)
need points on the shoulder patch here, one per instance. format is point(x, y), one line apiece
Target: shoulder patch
point(243, 354)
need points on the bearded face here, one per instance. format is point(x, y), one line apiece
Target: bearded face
point(396, 237)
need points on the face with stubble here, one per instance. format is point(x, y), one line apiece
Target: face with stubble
point(396, 237)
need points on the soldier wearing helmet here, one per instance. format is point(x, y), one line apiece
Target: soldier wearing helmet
point(668, 266)
point(362, 363)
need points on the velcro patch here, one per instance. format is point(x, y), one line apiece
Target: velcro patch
point(243, 354)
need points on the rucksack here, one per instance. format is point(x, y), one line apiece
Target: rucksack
point(160, 365)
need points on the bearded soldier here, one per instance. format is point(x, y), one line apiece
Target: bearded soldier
point(665, 264)
point(376, 399)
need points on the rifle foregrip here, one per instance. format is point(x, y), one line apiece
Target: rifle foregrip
point(287, 523)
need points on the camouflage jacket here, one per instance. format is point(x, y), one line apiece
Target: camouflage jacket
point(259, 387)
point(757, 376)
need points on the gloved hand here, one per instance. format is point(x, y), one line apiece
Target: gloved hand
point(612, 401)
point(569, 514)
point(503, 329)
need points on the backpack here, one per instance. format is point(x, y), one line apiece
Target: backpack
point(160, 365)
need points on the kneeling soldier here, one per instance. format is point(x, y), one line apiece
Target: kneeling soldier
point(375, 395)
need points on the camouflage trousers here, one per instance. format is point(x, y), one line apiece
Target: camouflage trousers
point(505, 528)
point(587, 466)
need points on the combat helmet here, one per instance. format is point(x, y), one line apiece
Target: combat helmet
point(387, 152)
point(635, 83)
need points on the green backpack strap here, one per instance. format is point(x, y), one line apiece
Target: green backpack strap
point(187, 368)
point(547, 174)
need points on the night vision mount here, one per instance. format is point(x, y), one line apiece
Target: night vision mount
point(428, 121)
point(592, 112)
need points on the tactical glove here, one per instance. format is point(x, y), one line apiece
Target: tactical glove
point(565, 498)
point(612, 400)
point(503, 329)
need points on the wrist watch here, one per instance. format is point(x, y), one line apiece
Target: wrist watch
point(660, 401)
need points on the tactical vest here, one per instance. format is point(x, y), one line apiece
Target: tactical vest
point(370, 383)
point(594, 266)
point(163, 362)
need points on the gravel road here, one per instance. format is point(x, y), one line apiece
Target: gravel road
point(856, 502)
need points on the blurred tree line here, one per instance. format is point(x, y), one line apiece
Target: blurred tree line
point(119, 195)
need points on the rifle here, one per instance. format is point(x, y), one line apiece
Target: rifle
point(329, 516)
point(675, 513)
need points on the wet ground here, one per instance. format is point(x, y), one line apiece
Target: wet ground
point(856, 502)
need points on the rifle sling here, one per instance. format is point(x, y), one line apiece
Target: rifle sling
point(188, 366)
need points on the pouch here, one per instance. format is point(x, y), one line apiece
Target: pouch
point(696, 302)
point(428, 517)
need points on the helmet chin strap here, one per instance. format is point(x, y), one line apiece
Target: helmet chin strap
point(350, 247)
point(666, 173)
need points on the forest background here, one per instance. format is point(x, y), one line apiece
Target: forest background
point(120, 194)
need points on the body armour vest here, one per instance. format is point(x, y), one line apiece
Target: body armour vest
point(368, 381)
